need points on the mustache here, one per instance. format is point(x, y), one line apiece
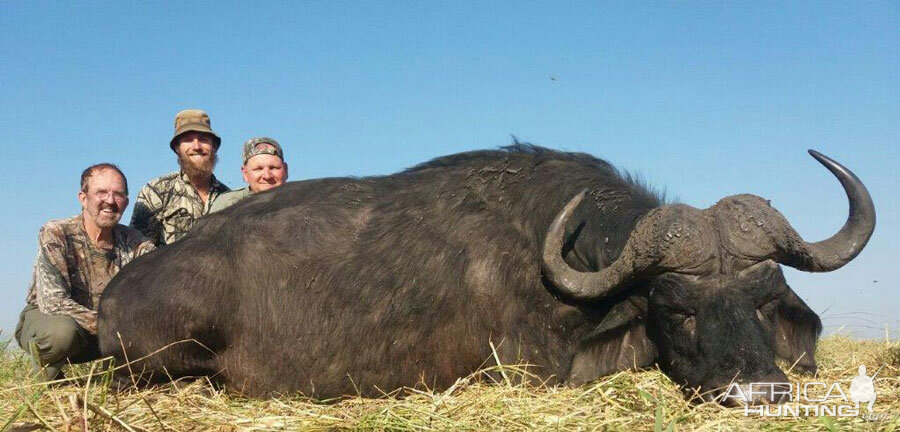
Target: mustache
point(197, 168)
point(113, 207)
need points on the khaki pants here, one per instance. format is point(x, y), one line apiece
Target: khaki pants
point(59, 340)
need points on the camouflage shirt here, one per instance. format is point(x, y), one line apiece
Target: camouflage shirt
point(70, 272)
point(167, 207)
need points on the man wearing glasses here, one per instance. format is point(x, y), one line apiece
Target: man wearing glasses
point(76, 258)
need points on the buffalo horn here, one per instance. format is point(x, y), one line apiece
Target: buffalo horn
point(573, 283)
point(841, 248)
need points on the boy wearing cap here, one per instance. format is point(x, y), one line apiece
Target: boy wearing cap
point(264, 168)
point(167, 206)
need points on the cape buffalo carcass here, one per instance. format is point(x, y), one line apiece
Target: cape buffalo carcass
point(361, 285)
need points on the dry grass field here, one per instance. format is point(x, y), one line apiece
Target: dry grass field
point(634, 401)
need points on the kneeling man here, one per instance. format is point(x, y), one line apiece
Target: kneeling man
point(76, 258)
point(264, 168)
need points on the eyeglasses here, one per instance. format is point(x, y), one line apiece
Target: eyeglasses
point(118, 196)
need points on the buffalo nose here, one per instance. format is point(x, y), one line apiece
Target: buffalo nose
point(772, 393)
point(773, 388)
point(756, 393)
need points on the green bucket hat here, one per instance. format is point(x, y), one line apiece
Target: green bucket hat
point(193, 120)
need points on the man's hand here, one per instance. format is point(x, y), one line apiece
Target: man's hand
point(92, 327)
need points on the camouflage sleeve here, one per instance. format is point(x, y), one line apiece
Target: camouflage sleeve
point(146, 216)
point(133, 244)
point(144, 247)
point(53, 287)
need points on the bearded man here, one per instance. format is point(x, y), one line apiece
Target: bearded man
point(76, 258)
point(167, 206)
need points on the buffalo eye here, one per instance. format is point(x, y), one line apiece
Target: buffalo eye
point(685, 321)
point(766, 314)
point(690, 324)
point(764, 311)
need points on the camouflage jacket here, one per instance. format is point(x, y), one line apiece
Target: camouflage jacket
point(167, 207)
point(70, 272)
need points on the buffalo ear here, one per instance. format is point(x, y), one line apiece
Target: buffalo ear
point(618, 343)
point(797, 329)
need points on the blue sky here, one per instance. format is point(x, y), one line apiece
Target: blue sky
point(704, 100)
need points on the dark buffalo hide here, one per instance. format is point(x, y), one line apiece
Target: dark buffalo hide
point(362, 285)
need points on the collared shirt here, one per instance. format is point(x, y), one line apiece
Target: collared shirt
point(167, 207)
point(229, 198)
point(70, 272)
